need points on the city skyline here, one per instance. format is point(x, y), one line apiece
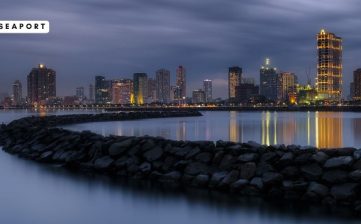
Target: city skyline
point(205, 43)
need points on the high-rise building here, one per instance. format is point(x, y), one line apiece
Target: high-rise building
point(41, 84)
point(181, 82)
point(207, 87)
point(198, 96)
point(79, 93)
point(287, 85)
point(17, 93)
point(245, 92)
point(152, 90)
point(163, 85)
point(269, 81)
point(91, 93)
point(103, 90)
point(122, 91)
point(356, 94)
point(234, 80)
point(329, 66)
point(140, 83)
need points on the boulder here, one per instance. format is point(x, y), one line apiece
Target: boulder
point(344, 191)
point(248, 170)
point(290, 171)
point(227, 162)
point(339, 162)
point(248, 157)
point(271, 178)
point(318, 189)
point(320, 157)
point(335, 176)
point(286, 159)
point(269, 157)
point(311, 171)
point(119, 148)
point(204, 157)
point(229, 178)
point(294, 185)
point(200, 180)
point(303, 158)
point(216, 178)
point(355, 175)
point(257, 182)
point(357, 154)
point(145, 167)
point(196, 168)
point(103, 162)
point(153, 154)
point(239, 184)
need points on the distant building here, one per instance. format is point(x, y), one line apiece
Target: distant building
point(152, 90)
point(79, 93)
point(163, 85)
point(174, 91)
point(357, 84)
point(91, 93)
point(269, 81)
point(122, 91)
point(245, 92)
point(198, 96)
point(329, 66)
point(102, 90)
point(17, 93)
point(287, 85)
point(41, 84)
point(70, 100)
point(207, 87)
point(234, 80)
point(140, 88)
point(181, 82)
point(352, 91)
point(306, 95)
point(248, 80)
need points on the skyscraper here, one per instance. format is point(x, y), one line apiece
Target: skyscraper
point(17, 93)
point(234, 80)
point(152, 90)
point(287, 85)
point(163, 85)
point(207, 86)
point(269, 81)
point(79, 93)
point(102, 90)
point(329, 66)
point(41, 84)
point(140, 83)
point(198, 96)
point(181, 82)
point(122, 91)
point(356, 90)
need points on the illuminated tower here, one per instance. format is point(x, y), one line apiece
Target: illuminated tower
point(329, 66)
point(140, 83)
point(41, 84)
point(234, 80)
point(269, 83)
point(163, 85)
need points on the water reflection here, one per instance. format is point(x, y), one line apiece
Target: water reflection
point(320, 129)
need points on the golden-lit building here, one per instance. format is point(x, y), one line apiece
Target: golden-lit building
point(234, 80)
point(306, 95)
point(329, 66)
point(287, 85)
point(140, 88)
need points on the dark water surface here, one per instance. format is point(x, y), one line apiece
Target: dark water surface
point(34, 193)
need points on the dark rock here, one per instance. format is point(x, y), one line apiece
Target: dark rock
point(357, 154)
point(303, 158)
point(204, 157)
point(269, 157)
point(153, 154)
point(217, 178)
point(335, 176)
point(311, 171)
point(229, 178)
point(103, 163)
point(239, 184)
point(357, 165)
point(252, 144)
point(271, 178)
point(46, 156)
point(227, 162)
point(196, 168)
point(290, 171)
point(173, 176)
point(355, 175)
point(286, 159)
point(145, 167)
point(119, 148)
point(257, 182)
point(320, 157)
point(248, 170)
point(200, 180)
point(298, 185)
point(345, 151)
point(344, 191)
point(248, 157)
point(318, 189)
point(193, 152)
point(218, 158)
point(263, 168)
point(339, 162)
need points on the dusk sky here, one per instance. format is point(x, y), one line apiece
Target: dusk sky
point(116, 38)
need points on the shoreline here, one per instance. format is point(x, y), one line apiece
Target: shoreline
point(291, 173)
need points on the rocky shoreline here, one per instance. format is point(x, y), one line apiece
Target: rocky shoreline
point(330, 177)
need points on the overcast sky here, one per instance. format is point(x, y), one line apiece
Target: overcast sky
point(119, 37)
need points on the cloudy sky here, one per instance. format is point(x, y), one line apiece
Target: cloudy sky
point(119, 37)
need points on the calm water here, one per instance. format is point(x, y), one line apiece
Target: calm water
point(321, 129)
point(33, 193)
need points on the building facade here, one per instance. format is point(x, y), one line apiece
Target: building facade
point(245, 92)
point(198, 96)
point(269, 83)
point(79, 93)
point(287, 85)
point(163, 85)
point(103, 90)
point(140, 88)
point(234, 80)
point(152, 90)
point(122, 91)
point(17, 93)
point(356, 90)
point(329, 66)
point(181, 82)
point(41, 84)
point(91, 93)
point(207, 87)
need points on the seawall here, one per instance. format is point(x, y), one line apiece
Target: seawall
point(330, 177)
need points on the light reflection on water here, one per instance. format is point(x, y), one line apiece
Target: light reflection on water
point(320, 129)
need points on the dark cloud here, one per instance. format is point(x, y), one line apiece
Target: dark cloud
point(119, 37)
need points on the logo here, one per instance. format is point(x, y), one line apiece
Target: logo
point(24, 26)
